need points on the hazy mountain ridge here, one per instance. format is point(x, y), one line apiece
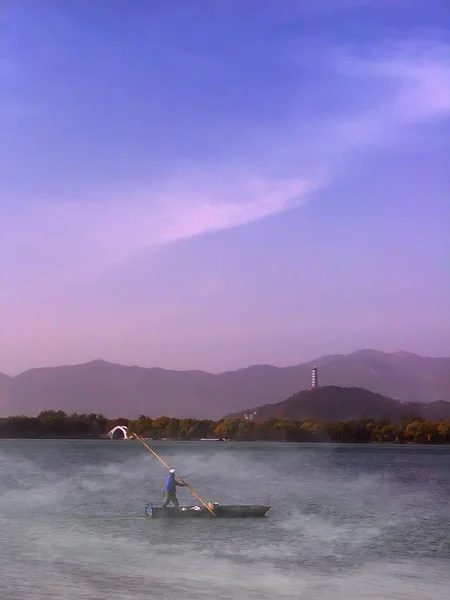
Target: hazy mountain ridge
point(118, 390)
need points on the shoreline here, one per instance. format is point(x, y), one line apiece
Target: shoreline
point(262, 441)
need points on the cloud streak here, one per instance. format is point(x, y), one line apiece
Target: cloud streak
point(92, 236)
point(410, 85)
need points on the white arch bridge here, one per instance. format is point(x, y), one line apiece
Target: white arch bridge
point(120, 432)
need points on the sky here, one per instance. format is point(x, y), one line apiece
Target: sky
point(217, 183)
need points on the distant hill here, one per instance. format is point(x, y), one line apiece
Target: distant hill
point(4, 380)
point(117, 390)
point(333, 403)
point(5, 396)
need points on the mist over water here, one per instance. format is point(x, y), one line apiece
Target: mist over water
point(346, 522)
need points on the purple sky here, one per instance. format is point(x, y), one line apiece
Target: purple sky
point(215, 183)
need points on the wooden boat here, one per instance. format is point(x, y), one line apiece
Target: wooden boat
point(210, 510)
point(224, 511)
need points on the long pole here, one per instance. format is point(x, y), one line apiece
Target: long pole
point(169, 468)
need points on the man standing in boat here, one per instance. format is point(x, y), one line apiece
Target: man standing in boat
point(171, 489)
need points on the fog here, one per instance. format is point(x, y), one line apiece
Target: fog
point(343, 523)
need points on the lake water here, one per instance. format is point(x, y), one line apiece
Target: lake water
point(366, 522)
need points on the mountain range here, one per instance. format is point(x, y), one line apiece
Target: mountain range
point(129, 391)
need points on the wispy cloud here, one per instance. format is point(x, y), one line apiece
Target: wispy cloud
point(410, 85)
point(96, 235)
point(416, 77)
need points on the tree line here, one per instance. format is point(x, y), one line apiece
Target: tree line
point(408, 430)
point(51, 423)
point(58, 424)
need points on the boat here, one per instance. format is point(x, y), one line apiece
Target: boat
point(210, 510)
point(223, 511)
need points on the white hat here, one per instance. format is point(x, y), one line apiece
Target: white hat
point(172, 471)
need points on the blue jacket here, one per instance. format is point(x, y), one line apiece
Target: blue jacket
point(171, 484)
